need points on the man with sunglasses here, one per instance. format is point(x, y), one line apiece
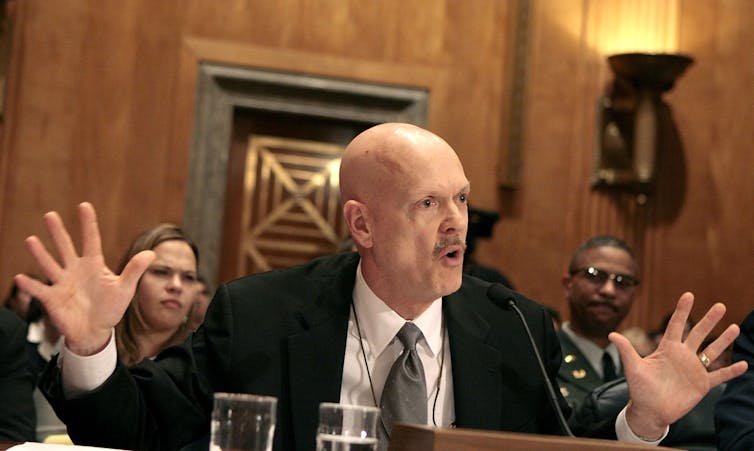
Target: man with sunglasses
point(599, 288)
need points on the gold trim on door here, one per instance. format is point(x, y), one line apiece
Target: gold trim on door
point(291, 203)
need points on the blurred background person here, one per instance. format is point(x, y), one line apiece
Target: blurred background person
point(17, 413)
point(158, 314)
point(599, 288)
point(19, 301)
point(480, 226)
point(43, 341)
point(201, 302)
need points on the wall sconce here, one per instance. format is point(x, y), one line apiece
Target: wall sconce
point(627, 128)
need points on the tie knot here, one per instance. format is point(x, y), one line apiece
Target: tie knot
point(409, 335)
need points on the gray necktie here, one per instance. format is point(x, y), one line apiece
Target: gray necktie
point(404, 398)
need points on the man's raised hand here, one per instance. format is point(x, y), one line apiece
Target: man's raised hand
point(84, 299)
point(669, 382)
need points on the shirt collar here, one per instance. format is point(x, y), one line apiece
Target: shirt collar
point(591, 351)
point(379, 323)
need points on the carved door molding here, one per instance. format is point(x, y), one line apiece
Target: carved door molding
point(224, 89)
point(291, 203)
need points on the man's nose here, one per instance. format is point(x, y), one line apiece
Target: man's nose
point(456, 218)
point(609, 286)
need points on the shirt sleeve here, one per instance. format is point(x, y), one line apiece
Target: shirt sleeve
point(625, 434)
point(82, 374)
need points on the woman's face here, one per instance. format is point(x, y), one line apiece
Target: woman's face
point(168, 287)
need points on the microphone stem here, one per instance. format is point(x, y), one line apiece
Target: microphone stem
point(551, 391)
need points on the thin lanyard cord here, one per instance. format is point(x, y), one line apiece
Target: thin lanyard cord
point(369, 374)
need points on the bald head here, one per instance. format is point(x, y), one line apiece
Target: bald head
point(405, 202)
point(384, 154)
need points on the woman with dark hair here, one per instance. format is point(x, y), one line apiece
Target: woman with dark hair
point(158, 313)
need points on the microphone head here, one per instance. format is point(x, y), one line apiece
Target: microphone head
point(500, 296)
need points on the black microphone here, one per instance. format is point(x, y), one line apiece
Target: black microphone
point(500, 296)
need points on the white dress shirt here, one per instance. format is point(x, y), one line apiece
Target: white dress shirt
point(377, 326)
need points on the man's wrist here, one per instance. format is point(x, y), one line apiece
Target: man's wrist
point(84, 373)
point(642, 425)
point(89, 347)
point(626, 432)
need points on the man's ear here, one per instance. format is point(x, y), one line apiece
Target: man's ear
point(357, 217)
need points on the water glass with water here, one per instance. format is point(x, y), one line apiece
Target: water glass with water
point(344, 427)
point(242, 422)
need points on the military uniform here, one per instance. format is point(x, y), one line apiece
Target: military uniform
point(577, 377)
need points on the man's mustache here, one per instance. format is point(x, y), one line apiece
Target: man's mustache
point(444, 243)
point(605, 303)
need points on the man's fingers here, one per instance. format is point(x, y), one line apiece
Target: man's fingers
point(727, 373)
point(703, 328)
point(49, 266)
point(677, 322)
point(60, 237)
point(628, 355)
point(32, 286)
point(136, 267)
point(90, 237)
point(721, 343)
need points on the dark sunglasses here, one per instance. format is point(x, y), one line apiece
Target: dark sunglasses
point(599, 277)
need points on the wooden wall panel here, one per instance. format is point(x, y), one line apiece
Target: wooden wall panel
point(91, 113)
point(102, 99)
point(697, 224)
point(115, 129)
point(714, 234)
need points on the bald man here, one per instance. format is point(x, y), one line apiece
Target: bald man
point(326, 331)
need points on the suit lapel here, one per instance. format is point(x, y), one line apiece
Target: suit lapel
point(315, 355)
point(476, 374)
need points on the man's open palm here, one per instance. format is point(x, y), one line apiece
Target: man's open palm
point(85, 299)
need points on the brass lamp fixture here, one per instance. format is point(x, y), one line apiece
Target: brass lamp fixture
point(627, 129)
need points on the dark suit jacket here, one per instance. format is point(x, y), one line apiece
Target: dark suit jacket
point(734, 412)
point(17, 414)
point(577, 377)
point(283, 333)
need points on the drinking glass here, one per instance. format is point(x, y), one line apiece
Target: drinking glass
point(242, 422)
point(344, 427)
